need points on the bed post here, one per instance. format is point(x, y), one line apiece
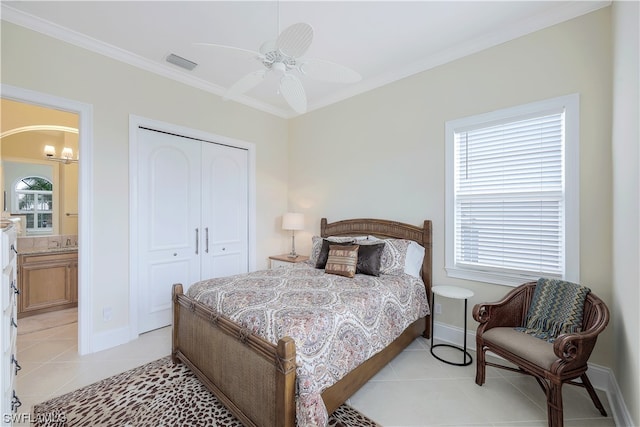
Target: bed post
point(286, 383)
point(177, 291)
point(323, 226)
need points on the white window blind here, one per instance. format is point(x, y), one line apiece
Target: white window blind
point(509, 205)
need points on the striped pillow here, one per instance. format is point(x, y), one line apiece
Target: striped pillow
point(342, 260)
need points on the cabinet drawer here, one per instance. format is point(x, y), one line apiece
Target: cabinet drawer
point(6, 331)
point(281, 264)
point(7, 279)
point(9, 330)
point(8, 246)
point(48, 257)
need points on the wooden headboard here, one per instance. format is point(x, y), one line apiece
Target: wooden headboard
point(389, 229)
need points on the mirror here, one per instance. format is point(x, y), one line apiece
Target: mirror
point(25, 170)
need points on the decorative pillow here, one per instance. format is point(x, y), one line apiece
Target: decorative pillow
point(369, 258)
point(323, 255)
point(342, 260)
point(316, 246)
point(394, 256)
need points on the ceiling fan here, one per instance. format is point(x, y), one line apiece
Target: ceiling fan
point(284, 56)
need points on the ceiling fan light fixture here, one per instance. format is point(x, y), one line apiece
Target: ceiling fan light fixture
point(279, 66)
point(284, 55)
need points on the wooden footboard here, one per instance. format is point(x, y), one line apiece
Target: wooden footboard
point(250, 376)
point(255, 379)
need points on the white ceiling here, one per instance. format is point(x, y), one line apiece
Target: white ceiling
point(382, 40)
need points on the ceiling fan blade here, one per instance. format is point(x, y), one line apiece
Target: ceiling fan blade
point(246, 83)
point(295, 40)
point(328, 71)
point(236, 51)
point(293, 92)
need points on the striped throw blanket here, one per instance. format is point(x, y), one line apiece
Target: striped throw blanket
point(556, 308)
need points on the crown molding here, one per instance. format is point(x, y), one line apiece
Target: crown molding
point(75, 38)
point(534, 23)
point(501, 35)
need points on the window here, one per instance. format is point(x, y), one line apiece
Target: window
point(512, 194)
point(34, 199)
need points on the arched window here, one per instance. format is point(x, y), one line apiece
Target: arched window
point(34, 199)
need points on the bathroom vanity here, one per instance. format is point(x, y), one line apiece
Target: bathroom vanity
point(48, 279)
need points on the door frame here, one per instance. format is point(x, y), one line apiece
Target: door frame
point(85, 199)
point(134, 123)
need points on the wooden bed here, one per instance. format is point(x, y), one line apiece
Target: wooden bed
point(256, 379)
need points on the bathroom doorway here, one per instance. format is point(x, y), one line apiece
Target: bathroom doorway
point(83, 117)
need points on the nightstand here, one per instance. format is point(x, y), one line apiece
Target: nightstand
point(454, 292)
point(278, 261)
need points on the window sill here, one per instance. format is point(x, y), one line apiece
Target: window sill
point(494, 278)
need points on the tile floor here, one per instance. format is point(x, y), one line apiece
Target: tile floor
point(415, 389)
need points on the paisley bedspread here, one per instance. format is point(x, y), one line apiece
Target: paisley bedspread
point(336, 322)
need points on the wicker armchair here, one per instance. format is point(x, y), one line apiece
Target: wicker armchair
point(552, 364)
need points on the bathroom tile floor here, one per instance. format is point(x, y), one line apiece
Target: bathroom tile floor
point(415, 389)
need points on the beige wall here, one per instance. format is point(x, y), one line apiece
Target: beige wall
point(381, 154)
point(626, 202)
point(116, 90)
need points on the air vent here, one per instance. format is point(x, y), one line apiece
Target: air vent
point(181, 62)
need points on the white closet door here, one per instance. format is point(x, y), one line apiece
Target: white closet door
point(169, 217)
point(224, 210)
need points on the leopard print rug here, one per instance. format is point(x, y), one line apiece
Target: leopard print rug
point(156, 394)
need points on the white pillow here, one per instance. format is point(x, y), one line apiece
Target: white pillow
point(413, 261)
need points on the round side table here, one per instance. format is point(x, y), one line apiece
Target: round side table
point(454, 292)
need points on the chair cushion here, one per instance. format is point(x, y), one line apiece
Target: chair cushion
point(556, 308)
point(537, 351)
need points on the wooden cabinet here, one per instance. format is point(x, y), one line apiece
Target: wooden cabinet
point(47, 282)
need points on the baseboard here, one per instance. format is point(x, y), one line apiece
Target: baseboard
point(601, 377)
point(619, 409)
point(104, 340)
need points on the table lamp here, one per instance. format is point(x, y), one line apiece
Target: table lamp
point(293, 221)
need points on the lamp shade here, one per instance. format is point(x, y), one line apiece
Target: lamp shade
point(67, 153)
point(49, 150)
point(292, 221)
